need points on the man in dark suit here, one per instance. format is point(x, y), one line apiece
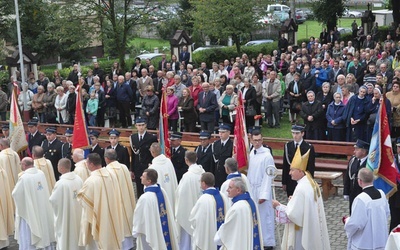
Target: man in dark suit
point(94, 140)
point(359, 160)
point(204, 152)
point(358, 71)
point(289, 150)
point(331, 37)
point(66, 149)
point(34, 137)
point(52, 149)
point(388, 74)
point(184, 56)
point(163, 63)
point(222, 149)
point(307, 80)
point(141, 156)
point(333, 74)
point(122, 151)
point(158, 83)
point(178, 155)
point(394, 200)
point(207, 103)
point(323, 36)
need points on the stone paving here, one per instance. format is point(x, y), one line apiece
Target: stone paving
point(335, 209)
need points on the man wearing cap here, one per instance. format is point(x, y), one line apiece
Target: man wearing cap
point(34, 220)
point(34, 137)
point(241, 229)
point(222, 149)
point(10, 162)
point(94, 140)
point(307, 228)
point(52, 148)
point(288, 184)
point(128, 199)
point(166, 172)
point(81, 168)
point(5, 129)
point(394, 200)
point(66, 208)
point(122, 151)
point(141, 157)
point(66, 149)
point(204, 152)
point(154, 230)
point(359, 160)
point(178, 155)
point(102, 222)
point(187, 194)
point(208, 213)
point(44, 165)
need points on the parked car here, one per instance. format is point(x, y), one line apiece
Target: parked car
point(344, 30)
point(352, 13)
point(257, 42)
point(277, 7)
point(150, 56)
point(300, 17)
point(207, 47)
point(308, 13)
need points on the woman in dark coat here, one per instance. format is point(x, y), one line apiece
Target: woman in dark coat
point(249, 96)
point(295, 97)
point(150, 108)
point(188, 111)
point(111, 103)
point(325, 97)
point(335, 120)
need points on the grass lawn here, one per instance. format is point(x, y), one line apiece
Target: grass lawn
point(313, 28)
point(149, 44)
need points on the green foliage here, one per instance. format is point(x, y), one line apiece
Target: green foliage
point(167, 28)
point(327, 12)
point(4, 77)
point(220, 54)
point(221, 19)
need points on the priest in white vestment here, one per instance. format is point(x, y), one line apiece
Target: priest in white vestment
point(100, 198)
point(6, 210)
point(241, 229)
point(261, 187)
point(127, 194)
point(154, 223)
point(45, 165)
point(10, 162)
point(208, 214)
point(166, 172)
point(81, 168)
point(187, 194)
point(66, 208)
point(34, 221)
point(366, 228)
point(305, 210)
point(231, 168)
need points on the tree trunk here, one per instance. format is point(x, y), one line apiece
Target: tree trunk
point(237, 42)
point(331, 23)
point(396, 11)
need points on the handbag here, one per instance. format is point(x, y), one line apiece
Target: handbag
point(250, 110)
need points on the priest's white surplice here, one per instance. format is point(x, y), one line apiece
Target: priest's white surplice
point(6, 210)
point(10, 162)
point(67, 211)
point(82, 170)
point(47, 168)
point(225, 185)
point(166, 176)
point(261, 188)
point(31, 197)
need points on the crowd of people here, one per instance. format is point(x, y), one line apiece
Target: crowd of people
point(199, 199)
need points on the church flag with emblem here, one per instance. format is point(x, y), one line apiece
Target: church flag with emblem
point(163, 125)
point(17, 137)
point(380, 158)
point(240, 142)
point(81, 137)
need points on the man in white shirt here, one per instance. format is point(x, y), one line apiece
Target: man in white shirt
point(187, 194)
point(367, 226)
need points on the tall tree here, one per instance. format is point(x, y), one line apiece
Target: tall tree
point(119, 18)
point(221, 19)
point(396, 11)
point(328, 11)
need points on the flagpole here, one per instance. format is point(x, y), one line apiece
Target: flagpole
point(21, 57)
